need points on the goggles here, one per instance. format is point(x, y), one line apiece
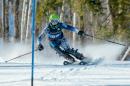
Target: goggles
point(54, 22)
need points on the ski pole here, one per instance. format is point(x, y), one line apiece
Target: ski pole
point(19, 56)
point(105, 40)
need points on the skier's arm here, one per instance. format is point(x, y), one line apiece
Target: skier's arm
point(73, 29)
point(69, 27)
point(40, 38)
point(42, 35)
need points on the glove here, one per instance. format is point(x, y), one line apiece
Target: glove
point(40, 47)
point(81, 33)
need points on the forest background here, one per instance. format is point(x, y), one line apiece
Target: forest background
point(106, 19)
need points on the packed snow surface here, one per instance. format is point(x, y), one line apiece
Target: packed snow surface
point(49, 70)
point(108, 51)
point(104, 74)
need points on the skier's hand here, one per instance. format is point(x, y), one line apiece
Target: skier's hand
point(81, 33)
point(40, 47)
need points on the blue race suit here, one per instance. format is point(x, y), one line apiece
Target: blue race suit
point(55, 34)
point(56, 37)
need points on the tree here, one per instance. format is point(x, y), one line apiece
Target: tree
point(29, 19)
point(5, 21)
point(17, 18)
point(120, 11)
point(24, 19)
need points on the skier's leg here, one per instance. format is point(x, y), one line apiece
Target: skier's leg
point(75, 53)
point(80, 56)
point(62, 53)
point(65, 55)
point(64, 44)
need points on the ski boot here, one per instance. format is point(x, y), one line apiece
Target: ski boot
point(69, 58)
point(75, 53)
point(66, 55)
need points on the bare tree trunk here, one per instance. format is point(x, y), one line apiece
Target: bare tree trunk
point(6, 23)
point(74, 24)
point(17, 23)
point(62, 11)
point(29, 19)
point(92, 19)
point(0, 18)
point(107, 18)
point(23, 20)
point(11, 20)
point(3, 17)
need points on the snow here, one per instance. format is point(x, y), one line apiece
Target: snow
point(50, 72)
point(108, 73)
point(1, 60)
point(108, 51)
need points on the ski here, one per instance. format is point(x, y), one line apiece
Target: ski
point(93, 62)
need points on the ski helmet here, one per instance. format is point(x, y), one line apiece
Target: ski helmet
point(53, 17)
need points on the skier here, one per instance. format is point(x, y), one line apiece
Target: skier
point(57, 41)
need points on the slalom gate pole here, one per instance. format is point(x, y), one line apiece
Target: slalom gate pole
point(33, 40)
point(20, 56)
point(105, 40)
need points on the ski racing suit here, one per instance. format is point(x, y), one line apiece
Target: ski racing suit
point(58, 42)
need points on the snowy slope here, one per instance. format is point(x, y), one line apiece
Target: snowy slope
point(107, 73)
point(48, 56)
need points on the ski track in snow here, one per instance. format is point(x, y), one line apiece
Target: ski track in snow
point(105, 74)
